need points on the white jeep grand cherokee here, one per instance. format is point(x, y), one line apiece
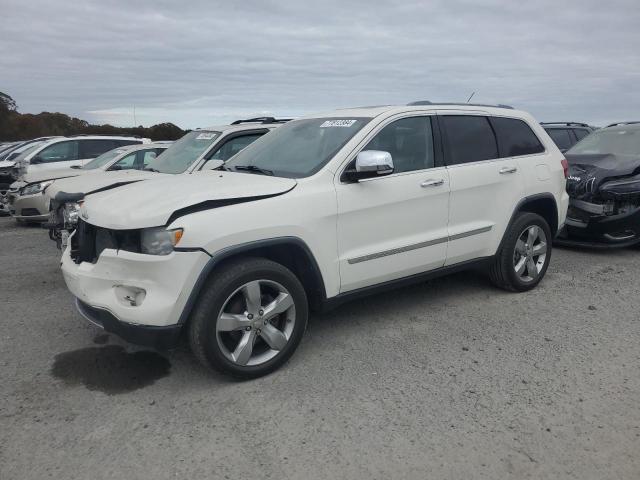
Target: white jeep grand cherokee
point(323, 209)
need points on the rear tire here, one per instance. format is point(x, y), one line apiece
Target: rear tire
point(249, 319)
point(524, 256)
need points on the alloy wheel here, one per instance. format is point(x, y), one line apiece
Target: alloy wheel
point(530, 253)
point(255, 323)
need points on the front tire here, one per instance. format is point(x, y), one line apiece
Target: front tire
point(249, 319)
point(524, 256)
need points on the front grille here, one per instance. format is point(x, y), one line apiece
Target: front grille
point(89, 241)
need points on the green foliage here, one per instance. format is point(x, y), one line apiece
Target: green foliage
point(24, 126)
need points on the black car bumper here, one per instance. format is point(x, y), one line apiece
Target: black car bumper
point(160, 338)
point(588, 229)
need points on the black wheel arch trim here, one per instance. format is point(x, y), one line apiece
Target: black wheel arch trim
point(518, 209)
point(221, 255)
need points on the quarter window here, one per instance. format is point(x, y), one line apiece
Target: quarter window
point(59, 152)
point(515, 137)
point(409, 141)
point(470, 139)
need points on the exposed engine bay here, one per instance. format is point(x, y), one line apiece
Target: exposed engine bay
point(604, 193)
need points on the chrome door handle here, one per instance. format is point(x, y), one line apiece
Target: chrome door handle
point(508, 170)
point(432, 183)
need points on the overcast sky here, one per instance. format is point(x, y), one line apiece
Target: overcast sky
point(200, 63)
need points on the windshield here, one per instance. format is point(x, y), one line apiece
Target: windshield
point(299, 148)
point(104, 159)
point(24, 151)
point(618, 141)
point(181, 154)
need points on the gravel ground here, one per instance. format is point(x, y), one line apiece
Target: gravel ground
point(447, 379)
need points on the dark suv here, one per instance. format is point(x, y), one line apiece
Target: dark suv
point(567, 134)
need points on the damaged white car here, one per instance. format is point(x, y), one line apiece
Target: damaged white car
point(321, 210)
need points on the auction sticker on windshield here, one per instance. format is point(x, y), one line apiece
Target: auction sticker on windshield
point(337, 123)
point(205, 136)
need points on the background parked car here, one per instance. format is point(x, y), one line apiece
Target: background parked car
point(30, 204)
point(66, 152)
point(604, 188)
point(195, 151)
point(566, 134)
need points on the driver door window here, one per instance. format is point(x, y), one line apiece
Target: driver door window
point(409, 141)
point(233, 146)
point(125, 163)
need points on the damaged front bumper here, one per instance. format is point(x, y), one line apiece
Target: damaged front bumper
point(601, 225)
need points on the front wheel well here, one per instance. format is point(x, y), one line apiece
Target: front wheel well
point(294, 255)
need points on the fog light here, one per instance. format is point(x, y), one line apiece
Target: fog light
point(130, 296)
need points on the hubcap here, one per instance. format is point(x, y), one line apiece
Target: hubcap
point(256, 322)
point(530, 253)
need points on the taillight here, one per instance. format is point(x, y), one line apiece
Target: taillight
point(565, 167)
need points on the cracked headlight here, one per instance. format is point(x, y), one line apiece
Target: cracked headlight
point(34, 188)
point(159, 240)
point(70, 213)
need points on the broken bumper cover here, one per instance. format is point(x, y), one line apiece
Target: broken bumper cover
point(587, 225)
point(135, 296)
point(160, 338)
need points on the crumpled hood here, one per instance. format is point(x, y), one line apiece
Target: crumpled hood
point(7, 164)
point(44, 175)
point(588, 172)
point(98, 180)
point(154, 203)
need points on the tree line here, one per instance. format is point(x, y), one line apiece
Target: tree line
point(24, 126)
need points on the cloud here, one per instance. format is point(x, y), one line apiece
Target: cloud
point(207, 62)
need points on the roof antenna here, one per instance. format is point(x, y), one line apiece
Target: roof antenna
point(470, 96)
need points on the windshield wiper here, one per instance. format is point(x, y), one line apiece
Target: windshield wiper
point(149, 169)
point(253, 169)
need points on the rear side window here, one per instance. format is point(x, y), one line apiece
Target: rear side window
point(94, 148)
point(580, 133)
point(515, 137)
point(560, 137)
point(470, 139)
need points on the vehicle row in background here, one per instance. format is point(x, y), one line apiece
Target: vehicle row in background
point(201, 149)
point(566, 134)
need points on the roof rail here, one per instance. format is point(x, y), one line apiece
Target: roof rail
point(103, 135)
point(262, 120)
point(568, 124)
point(427, 102)
point(633, 122)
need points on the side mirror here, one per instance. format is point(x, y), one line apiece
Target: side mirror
point(36, 160)
point(370, 164)
point(213, 164)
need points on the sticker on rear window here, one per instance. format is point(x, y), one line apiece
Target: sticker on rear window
point(337, 123)
point(205, 136)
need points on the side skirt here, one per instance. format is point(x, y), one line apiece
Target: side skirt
point(338, 300)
